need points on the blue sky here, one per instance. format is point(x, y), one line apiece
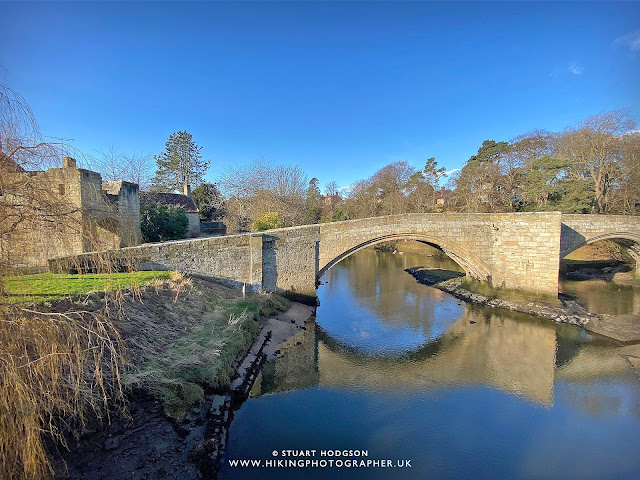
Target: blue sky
point(340, 89)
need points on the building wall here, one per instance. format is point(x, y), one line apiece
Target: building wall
point(193, 230)
point(79, 215)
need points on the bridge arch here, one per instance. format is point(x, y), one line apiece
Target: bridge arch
point(627, 240)
point(471, 263)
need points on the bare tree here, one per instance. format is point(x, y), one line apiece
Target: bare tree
point(56, 363)
point(595, 150)
point(332, 199)
point(135, 167)
point(261, 188)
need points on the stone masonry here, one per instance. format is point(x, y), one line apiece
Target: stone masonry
point(94, 215)
point(580, 230)
point(510, 250)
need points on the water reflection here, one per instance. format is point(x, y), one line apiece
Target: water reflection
point(600, 296)
point(464, 392)
point(388, 313)
point(386, 331)
point(521, 356)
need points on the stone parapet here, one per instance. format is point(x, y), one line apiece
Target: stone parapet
point(511, 250)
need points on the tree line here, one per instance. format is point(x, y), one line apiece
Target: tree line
point(590, 167)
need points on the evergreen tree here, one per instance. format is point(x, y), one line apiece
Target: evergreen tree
point(163, 222)
point(433, 174)
point(313, 204)
point(209, 201)
point(180, 164)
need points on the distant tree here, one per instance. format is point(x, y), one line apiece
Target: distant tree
point(596, 151)
point(545, 181)
point(479, 185)
point(577, 195)
point(433, 174)
point(313, 203)
point(135, 168)
point(331, 201)
point(163, 222)
point(627, 199)
point(340, 214)
point(209, 201)
point(180, 164)
point(262, 187)
point(419, 194)
point(390, 183)
point(267, 221)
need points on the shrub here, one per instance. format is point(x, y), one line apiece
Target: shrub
point(163, 222)
point(267, 221)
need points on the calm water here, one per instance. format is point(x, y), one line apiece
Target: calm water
point(599, 296)
point(409, 373)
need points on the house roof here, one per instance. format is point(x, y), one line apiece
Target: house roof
point(174, 199)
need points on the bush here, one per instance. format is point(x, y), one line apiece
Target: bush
point(209, 201)
point(267, 221)
point(163, 222)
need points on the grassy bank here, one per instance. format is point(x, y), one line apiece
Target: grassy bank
point(179, 350)
point(81, 352)
point(54, 286)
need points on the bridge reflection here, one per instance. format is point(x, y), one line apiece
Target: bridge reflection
point(523, 357)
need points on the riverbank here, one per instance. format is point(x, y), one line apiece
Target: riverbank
point(624, 328)
point(185, 358)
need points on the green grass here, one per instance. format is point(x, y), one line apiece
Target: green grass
point(53, 286)
point(201, 359)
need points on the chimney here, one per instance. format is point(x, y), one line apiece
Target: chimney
point(186, 190)
point(68, 162)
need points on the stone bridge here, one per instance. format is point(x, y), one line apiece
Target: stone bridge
point(580, 230)
point(510, 250)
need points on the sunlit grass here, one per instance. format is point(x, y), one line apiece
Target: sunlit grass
point(52, 286)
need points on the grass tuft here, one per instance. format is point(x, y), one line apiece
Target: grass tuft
point(190, 348)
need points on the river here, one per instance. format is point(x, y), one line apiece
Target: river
point(404, 372)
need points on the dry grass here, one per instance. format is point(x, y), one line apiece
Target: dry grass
point(180, 350)
point(54, 368)
point(58, 369)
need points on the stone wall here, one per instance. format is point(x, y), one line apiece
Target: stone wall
point(193, 230)
point(128, 210)
point(452, 232)
point(233, 259)
point(516, 251)
point(58, 231)
point(295, 253)
point(80, 214)
point(526, 251)
point(488, 246)
point(579, 230)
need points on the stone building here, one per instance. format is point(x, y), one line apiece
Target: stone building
point(78, 213)
point(183, 201)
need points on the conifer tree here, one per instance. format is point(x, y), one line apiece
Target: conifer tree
point(180, 164)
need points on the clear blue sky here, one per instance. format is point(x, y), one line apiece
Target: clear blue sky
point(340, 89)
